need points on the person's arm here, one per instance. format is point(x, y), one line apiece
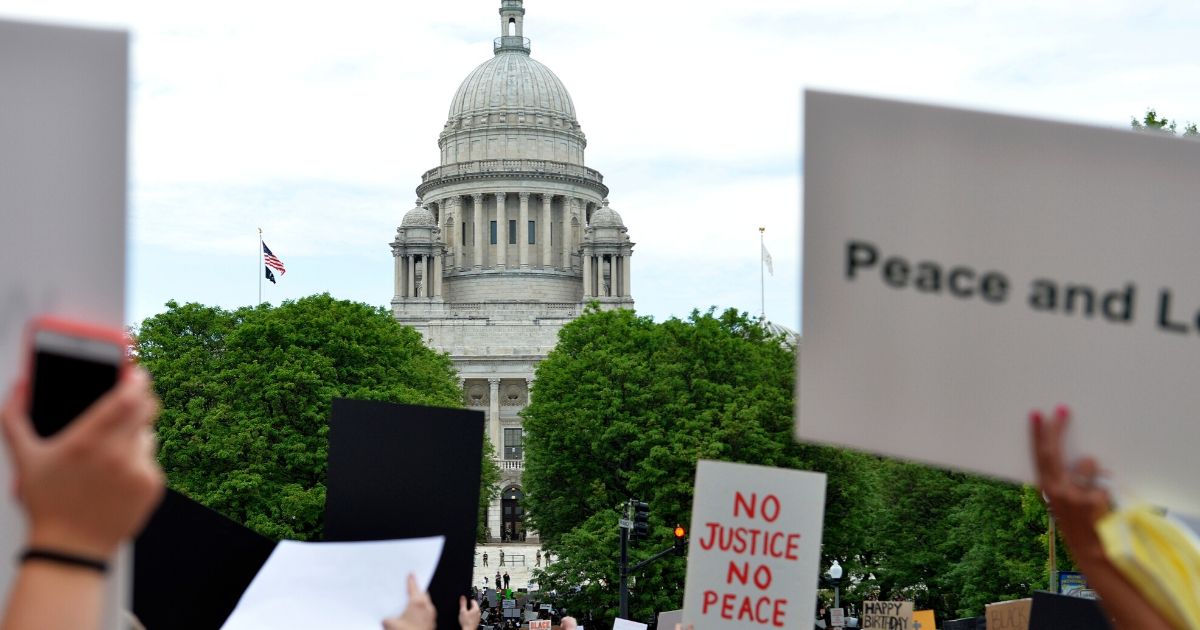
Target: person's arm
point(1076, 504)
point(84, 491)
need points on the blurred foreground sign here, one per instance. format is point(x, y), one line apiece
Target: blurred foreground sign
point(754, 547)
point(63, 119)
point(961, 269)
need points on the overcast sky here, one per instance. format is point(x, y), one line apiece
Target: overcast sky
point(315, 121)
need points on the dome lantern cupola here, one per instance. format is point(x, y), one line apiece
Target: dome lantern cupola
point(512, 14)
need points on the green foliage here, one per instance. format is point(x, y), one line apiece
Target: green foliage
point(1153, 123)
point(246, 397)
point(624, 407)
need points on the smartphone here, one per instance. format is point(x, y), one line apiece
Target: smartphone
point(72, 365)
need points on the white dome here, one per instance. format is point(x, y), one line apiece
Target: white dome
point(511, 80)
point(606, 217)
point(418, 217)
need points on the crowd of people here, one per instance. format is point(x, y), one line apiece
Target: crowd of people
point(91, 487)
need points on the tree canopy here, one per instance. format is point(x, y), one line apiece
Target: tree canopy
point(246, 399)
point(1152, 122)
point(624, 407)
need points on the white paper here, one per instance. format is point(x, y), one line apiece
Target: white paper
point(344, 585)
point(950, 380)
point(738, 502)
point(62, 206)
point(625, 624)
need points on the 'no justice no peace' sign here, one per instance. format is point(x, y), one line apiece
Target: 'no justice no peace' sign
point(754, 553)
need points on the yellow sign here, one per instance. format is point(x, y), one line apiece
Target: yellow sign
point(923, 620)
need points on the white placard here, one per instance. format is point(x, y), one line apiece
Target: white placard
point(346, 585)
point(754, 547)
point(961, 269)
point(62, 203)
point(668, 618)
point(625, 624)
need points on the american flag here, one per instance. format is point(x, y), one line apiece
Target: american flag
point(271, 261)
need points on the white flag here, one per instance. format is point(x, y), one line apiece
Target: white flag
point(766, 256)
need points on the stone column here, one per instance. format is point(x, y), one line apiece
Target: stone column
point(547, 252)
point(587, 276)
point(626, 276)
point(612, 276)
point(501, 231)
point(494, 415)
point(567, 206)
point(399, 275)
point(410, 273)
point(480, 227)
point(437, 275)
point(424, 290)
point(523, 232)
point(456, 208)
point(529, 386)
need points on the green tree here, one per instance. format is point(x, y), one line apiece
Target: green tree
point(624, 407)
point(246, 397)
point(1152, 122)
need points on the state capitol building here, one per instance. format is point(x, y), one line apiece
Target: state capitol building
point(511, 236)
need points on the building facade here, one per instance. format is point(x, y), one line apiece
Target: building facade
point(510, 238)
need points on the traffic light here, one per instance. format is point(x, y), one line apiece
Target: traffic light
point(680, 540)
point(641, 521)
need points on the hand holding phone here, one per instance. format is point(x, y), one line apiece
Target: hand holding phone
point(94, 481)
point(72, 366)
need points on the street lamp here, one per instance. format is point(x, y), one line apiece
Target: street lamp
point(835, 575)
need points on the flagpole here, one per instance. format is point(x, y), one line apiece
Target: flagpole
point(260, 265)
point(762, 278)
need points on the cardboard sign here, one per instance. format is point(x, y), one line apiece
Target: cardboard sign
point(754, 548)
point(924, 620)
point(625, 624)
point(63, 133)
point(961, 269)
point(1011, 615)
point(541, 624)
point(879, 615)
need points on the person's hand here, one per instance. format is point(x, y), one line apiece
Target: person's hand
point(92, 485)
point(468, 614)
point(1076, 501)
point(418, 615)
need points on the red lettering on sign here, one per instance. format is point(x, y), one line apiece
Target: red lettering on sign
point(742, 575)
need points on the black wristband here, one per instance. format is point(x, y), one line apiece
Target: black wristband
point(64, 558)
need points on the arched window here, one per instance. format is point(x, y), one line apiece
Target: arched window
point(512, 26)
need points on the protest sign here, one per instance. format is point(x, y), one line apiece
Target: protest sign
point(540, 624)
point(754, 547)
point(837, 617)
point(625, 624)
point(1011, 615)
point(385, 458)
point(63, 135)
point(1051, 611)
point(887, 615)
point(668, 618)
point(924, 620)
point(961, 269)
